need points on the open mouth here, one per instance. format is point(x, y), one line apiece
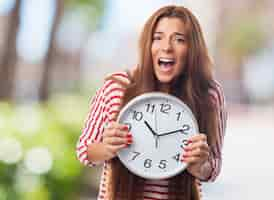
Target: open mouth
point(166, 63)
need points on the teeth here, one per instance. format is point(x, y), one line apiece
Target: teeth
point(166, 60)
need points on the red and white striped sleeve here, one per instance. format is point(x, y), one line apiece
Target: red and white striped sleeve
point(211, 169)
point(93, 127)
point(104, 106)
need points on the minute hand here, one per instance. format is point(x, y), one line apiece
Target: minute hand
point(172, 132)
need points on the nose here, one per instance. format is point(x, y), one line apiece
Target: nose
point(167, 45)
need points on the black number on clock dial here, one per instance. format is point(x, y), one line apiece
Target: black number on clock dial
point(184, 144)
point(179, 115)
point(136, 154)
point(138, 116)
point(128, 125)
point(148, 163)
point(150, 108)
point(165, 108)
point(177, 157)
point(162, 164)
point(185, 128)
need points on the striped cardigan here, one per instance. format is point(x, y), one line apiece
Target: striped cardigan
point(104, 107)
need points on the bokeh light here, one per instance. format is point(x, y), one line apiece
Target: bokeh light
point(25, 181)
point(10, 150)
point(38, 160)
point(28, 119)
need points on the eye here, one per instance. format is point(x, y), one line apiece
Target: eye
point(179, 39)
point(156, 37)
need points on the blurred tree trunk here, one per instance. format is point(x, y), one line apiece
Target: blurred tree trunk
point(9, 56)
point(51, 54)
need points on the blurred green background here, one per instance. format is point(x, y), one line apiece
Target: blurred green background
point(55, 53)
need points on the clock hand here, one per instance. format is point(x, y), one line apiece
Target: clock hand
point(156, 128)
point(149, 127)
point(172, 132)
point(156, 141)
point(155, 120)
point(156, 137)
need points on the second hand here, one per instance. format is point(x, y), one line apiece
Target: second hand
point(156, 129)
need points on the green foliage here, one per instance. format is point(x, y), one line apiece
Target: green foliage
point(99, 4)
point(90, 11)
point(54, 126)
point(244, 37)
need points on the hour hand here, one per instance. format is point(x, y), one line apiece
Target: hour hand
point(149, 127)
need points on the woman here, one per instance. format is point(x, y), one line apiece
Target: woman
point(174, 60)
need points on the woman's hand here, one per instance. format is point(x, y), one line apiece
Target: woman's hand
point(115, 137)
point(196, 153)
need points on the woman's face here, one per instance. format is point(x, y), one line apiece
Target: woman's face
point(169, 49)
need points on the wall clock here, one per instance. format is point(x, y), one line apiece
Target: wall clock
point(161, 125)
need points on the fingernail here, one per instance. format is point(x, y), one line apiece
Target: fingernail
point(186, 149)
point(125, 128)
point(189, 142)
point(183, 158)
point(129, 141)
point(129, 135)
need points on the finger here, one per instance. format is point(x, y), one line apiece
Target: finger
point(198, 137)
point(115, 141)
point(116, 125)
point(191, 160)
point(115, 133)
point(118, 140)
point(198, 144)
point(115, 148)
point(198, 152)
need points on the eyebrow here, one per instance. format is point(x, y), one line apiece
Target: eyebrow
point(176, 33)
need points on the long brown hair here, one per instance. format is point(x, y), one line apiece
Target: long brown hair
point(191, 86)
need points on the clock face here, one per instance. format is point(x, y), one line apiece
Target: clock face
point(161, 125)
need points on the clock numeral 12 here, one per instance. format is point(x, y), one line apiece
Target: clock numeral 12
point(165, 108)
